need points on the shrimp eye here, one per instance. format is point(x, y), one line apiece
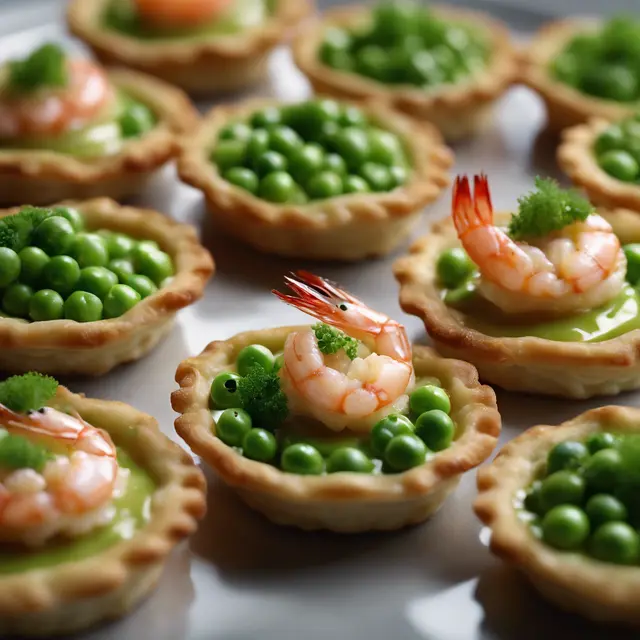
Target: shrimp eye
point(343, 307)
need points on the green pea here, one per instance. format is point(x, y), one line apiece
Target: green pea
point(567, 455)
point(236, 131)
point(398, 175)
point(325, 185)
point(632, 253)
point(616, 542)
point(119, 300)
point(119, 246)
point(352, 144)
point(393, 21)
point(603, 508)
point(377, 176)
point(122, 268)
point(610, 139)
point(277, 187)
point(285, 140)
point(229, 154)
point(340, 60)
point(454, 267)
point(46, 304)
point(611, 82)
point(224, 391)
point(72, 215)
point(267, 117)
point(302, 459)
point(562, 487)
point(619, 164)
point(423, 69)
point(405, 452)
point(307, 162)
point(436, 429)
point(349, 459)
point(335, 163)
point(356, 184)
point(603, 471)
point(143, 285)
point(352, 117)
point(388, 428)
point(82, 306)
point(254, 355)
point(429, 397)
point(373, 61)
point(336, 42)
point(9, 266)
point(232, 426)
point(533, 499)
point(61, 274)
point(33, 260)
point(260, 445)
point(271, 162)
point(16, 299)
point(257, 146)
point(310, 117)
point(602, 440)
point(97, 280)
point(567, 69)
point(136, 120)
point(385, 148)
point(156, 265)
point(565, 527)
point(53, 235)
point(89, 250)
point(243, 178)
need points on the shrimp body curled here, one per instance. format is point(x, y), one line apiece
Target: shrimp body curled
point(339, 392)
point(580, 267)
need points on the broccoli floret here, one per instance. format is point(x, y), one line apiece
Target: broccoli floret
point(16, 452)
point(45, 67)
point(262, 398)
point(28, 392)
point(331, 340)
point(16, 230)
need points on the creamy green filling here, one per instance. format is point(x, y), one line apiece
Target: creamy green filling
point(133, 511)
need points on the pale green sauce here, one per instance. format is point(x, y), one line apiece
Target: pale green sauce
point(133, 512)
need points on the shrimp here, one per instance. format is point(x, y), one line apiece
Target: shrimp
point(75, 489)
point(50, 113)
point(339, 392)
point(580, 267)
point(185, 13)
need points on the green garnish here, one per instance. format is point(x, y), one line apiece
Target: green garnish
point(549, 208)
point(45, 67)
point(16, 452)
point(28, 392)
point(16, 230)
point(331, 340)
point(262, 398)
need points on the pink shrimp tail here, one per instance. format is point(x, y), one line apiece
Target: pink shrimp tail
point(471, 211)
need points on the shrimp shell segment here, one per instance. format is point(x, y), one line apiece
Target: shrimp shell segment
point(341, 502)
point(73, 596)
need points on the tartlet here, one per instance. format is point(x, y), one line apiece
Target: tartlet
point(598, 590)
point(342, 502)
point(347, 227)
point(458, 110)
point(68, 597)
point(203, 65)
point(94, 348)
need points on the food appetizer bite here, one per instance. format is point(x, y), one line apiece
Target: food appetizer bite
point(94, 497)
point(585, 69)
point(542, 301)
point(339, 425)
point(90, 285)
point(563, 506)
point(204, 46)
point(318, 179)
point(70, 129)
point(445, 65)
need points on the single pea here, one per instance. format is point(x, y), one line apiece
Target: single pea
point(72, 215)
point(335, 41)
point(352, 117)
point(349, 459)
point(352, 144)
point(229, 154)
point(601, 440)
point(46, 304)
point(307, 162)
point(16, 299)
point(285, 140)
point(136, 120)
point(243, 178)
point(53, 235)
point(232, 426)
point(335, 163)
point(324, 185)
point(405, 452)
point(311, 116)
point(254, 355)
point(82, 306)
point(299, 196)
point(398, 175)
point(156, 265)
point(123, 268)
point(236, 131)
point(562, 487)
point(565, 527)
point(10, 266)
point(603, 470)
point(454, 267)
point(388, 428)
point(423, 69)
point(385, 148)
point(267, 117)
point(302, 459)
point(436, 429)
point(355, 184)
point(567, 455)
point(429, 397)
point(632, 253)
point(260, 445)
point(610, 81)
point(533, 501)
point(373, 61)
point(620, 165)
point(143, 285)
point(610, 139)
point(325, 135)
point(61, 274)
point(119, 246)
point(603, 508)
point(224, 390)
point(278, 363)
point(377, 176)
point(97, 280)
point(257, 146)
point(616, 542)
point(89, 250)
point(277, 187)
point(119, 300)
point(271, 162)
point(144, 247)
point(33, 260)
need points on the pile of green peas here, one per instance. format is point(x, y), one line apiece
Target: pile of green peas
point(406, 44)
point(587, 501)
point(617, 150)
point(65, 272)
point(604, 64)
point(309, 151)
point(396, 443)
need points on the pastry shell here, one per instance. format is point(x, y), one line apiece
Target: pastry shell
point(199, 66)
point(340, 502)
point(529, 364)
point(600, 591)
point(577, 159)
point(566, 106)
point(458, 110)
point(63, 347)
point(75, 595)
point(349, 227)
point(41, 176)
